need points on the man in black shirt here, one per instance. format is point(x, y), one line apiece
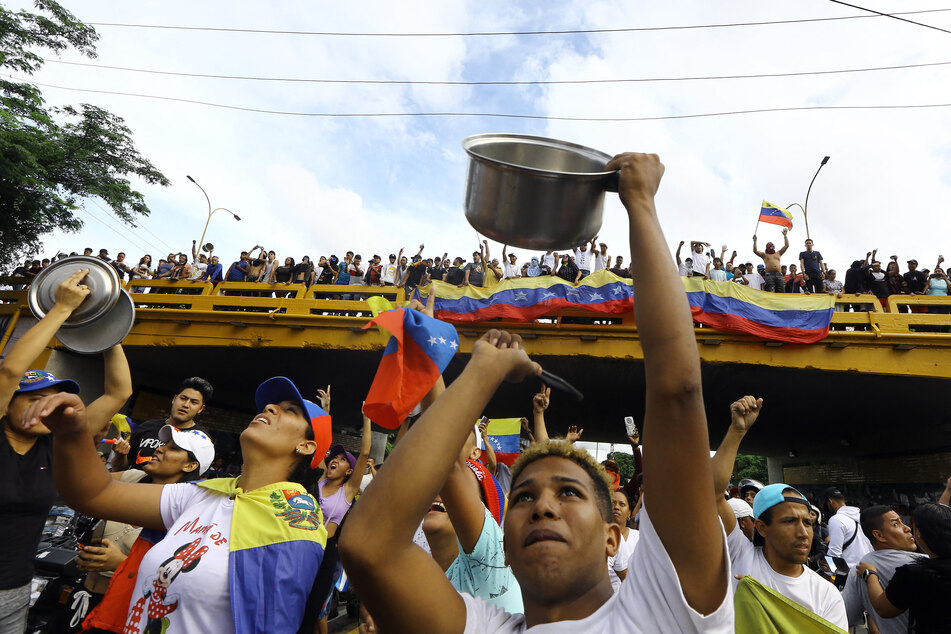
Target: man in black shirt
point(915, 279)
point(455, 275)
point(810, 264)
point(188, 403)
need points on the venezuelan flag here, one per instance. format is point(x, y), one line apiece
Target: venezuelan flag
point(775, 215)
point(503, 434)
point(418, 351)
point(790, 317)
point(762, 610)
point(722, 305)
point(527, 298)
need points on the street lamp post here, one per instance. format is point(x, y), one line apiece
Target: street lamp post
point(805, 209)
point(210, 211)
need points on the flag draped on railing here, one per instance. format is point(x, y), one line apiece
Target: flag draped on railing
point(793, 318)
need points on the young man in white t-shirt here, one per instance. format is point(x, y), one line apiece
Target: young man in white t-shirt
point(558, 528)
point(783, 530)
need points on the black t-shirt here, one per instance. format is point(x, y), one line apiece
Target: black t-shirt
point(327, 274)
point(437, 273)
point(916, 281)
point(145, 441)
point(810, 260)
point(923, 589)
point(415, 275)
point(455, 276)
point(855, 280)
point(568, 271)
point(283, 273)
point(26, 496)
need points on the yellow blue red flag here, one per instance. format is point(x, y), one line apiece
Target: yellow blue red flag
point(775, 215)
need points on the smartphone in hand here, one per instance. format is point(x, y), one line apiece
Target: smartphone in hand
point(630, 426)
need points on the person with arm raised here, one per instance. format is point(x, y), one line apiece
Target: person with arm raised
point(559, 528)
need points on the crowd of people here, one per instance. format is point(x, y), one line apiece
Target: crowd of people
point(444, 537)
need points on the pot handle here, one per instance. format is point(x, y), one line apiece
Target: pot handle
point(612, 181)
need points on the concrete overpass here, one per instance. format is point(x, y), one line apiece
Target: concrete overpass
point(876, 387)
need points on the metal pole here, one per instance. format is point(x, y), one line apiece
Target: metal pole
point(208, 200)
point(805, 209)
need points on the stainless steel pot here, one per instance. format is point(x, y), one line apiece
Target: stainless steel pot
point(103, 319)
point(535, 193)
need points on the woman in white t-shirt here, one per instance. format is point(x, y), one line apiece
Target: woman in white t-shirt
point(618, 564)
point(235, 547)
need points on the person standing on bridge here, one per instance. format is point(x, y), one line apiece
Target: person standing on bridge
point(773, 274)
point(558, 530)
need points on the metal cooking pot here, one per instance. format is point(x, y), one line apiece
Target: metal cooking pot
point(535, 193)
point(103, 319)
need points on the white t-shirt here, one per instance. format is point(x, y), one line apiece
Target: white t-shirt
point(600, 261)
point(549, 261)
point(842, 526)
point(808, 589)
point(511, 270)
point(717, 275)
point(583, 259)
point(755, 280)
point(356, 279)
point(198, 270)
point(684, 270)
point(655, 603)
point(184, 577)
point(700, 262)
point(622, 559)
point(388, 273)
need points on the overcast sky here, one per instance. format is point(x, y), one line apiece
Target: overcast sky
point(311, 185)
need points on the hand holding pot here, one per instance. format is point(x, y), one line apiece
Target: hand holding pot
point(640, 176)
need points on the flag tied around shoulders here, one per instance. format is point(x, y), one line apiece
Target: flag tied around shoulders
point(792, 318)
point(775, 215)
point(762, 610)
point(503, 435)
point(418, 351)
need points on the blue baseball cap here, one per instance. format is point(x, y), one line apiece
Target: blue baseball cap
point(279, 388)
point(770, 496)
point(39, 379)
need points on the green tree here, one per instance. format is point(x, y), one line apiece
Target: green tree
point(750, 467)
point(625, 462)
point(52, 157)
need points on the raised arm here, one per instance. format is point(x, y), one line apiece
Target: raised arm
point(118, 389)
point(756, 251)
point(80, 477)
point(366, 443)
point(675, 426)
point(677, 255)
point(785, 242)
point(406, 488)
point(743, 413)
point(491, 462)
point(539, 404)
point(486, 256)
point(22, 355)
point(946, 494)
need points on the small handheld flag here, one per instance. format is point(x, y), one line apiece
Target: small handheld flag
point(503, 435)
point(418, 351)
point(775, 215)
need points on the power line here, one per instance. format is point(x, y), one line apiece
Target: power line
point(891, 15)
point(502, 83)
point(356, 115)
point(130, 234)
point(500, 33)
point(170, 247)
point(110, 228)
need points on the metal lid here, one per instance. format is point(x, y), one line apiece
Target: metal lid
point(102, 280)
point(105, 332)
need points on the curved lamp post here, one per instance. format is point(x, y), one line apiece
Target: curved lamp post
point(805, 209)
point(210, 211)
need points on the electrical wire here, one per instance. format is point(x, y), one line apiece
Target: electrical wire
point(504, 33)
point(103, 223)
point(130, 233)
point(395, 82)
point(890, 15)
point(354, 115)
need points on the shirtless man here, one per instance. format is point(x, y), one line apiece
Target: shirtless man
point(775, 283)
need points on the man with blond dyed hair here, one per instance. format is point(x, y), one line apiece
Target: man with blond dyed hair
point(558, 527)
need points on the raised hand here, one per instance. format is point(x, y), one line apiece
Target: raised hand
point(574, 434)
point(744, 413)
point(121, 446)
point(502, 351)
point(484, 428)
point(540, 401)
point(323, 399)
point(428, 307)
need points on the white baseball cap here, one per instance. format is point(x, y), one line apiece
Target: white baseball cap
point(740, 507)
point(193, 440)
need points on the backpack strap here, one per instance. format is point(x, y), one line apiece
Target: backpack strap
point(852, 538)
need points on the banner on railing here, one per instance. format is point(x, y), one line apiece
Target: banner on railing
point(722, 305)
